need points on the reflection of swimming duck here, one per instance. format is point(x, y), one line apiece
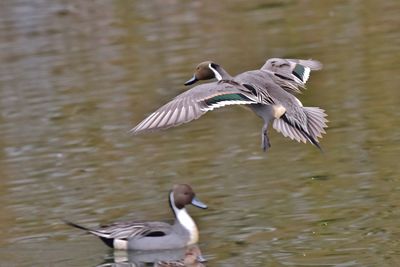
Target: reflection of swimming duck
point(268, 92)
point(154, 235)
point(193, 258)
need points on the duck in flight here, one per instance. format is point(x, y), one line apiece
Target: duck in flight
point(269, 92)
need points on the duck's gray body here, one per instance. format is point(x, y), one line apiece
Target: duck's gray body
point(175, 236)
point(288, 114)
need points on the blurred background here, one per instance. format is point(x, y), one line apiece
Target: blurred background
point(75, 76)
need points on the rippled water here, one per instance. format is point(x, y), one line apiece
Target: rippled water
point(75, 76)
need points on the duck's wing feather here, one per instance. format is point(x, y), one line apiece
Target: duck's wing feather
point(291, 74)
point(125, 230)
point(195, 102)
point(135, 229)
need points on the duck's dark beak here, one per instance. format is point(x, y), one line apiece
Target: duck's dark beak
point(191, 81)
point(196, 202)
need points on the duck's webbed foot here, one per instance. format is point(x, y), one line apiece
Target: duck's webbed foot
point(265, 144)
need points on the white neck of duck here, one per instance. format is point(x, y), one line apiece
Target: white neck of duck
point(218, 76)
point(183, 217)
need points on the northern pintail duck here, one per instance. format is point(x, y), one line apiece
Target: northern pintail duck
point(192, 258)
point(154, 235)
point(269, 92)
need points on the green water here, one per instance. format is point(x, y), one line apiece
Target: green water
point(75, 76)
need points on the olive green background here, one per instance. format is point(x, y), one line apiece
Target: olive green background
point(75, 76)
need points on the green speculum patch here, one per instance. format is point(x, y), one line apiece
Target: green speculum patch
point(298, 71)
point(227, 97)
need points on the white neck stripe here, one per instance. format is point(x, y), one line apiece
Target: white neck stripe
point(216, 73)
point(172, 201)
point(185, 220)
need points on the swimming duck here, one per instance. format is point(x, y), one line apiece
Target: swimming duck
point(133, 235)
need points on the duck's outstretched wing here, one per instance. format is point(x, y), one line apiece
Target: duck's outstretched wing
point(195, 102)
point(291, 74)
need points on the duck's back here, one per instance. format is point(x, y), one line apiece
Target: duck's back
point(263, 80)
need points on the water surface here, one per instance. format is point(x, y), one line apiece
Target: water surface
point(77, 75)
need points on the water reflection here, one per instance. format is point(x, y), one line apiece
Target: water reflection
point(190, 257)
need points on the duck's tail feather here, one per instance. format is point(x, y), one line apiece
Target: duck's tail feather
point(316, 123)
point(78, 226)
point(89, 230)
point(107, 240)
